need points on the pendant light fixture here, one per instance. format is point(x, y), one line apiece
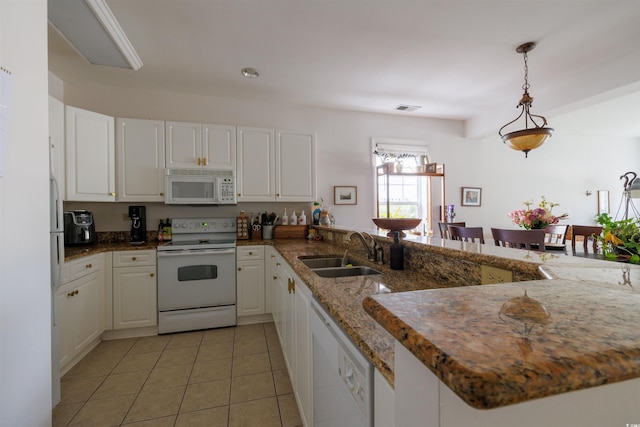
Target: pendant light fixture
point(528, 138)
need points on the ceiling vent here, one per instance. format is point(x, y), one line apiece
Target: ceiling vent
point(403, 107)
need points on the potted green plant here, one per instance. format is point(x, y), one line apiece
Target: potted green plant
point(620, 238)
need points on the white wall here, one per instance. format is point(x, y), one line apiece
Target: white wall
point(568, 165)
point(25, 292)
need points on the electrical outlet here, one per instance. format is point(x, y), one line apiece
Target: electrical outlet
point(125, 217)
point(490, 275)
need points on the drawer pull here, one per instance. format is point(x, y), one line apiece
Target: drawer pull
point(133, 258)
point(277, 263)
point(89, 265)
point(72, 293)
point(112, 194)
point(275, 277)
point(250, 253)
point(239, 268)
point(152, 274)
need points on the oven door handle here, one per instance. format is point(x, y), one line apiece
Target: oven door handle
point(168, 254)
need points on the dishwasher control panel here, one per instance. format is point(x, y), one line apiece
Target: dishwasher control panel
point(354, 378)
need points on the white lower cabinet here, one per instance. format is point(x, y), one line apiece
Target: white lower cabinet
point(80, 308)
point(291, 305)
point(250, 280)
point(134, 289)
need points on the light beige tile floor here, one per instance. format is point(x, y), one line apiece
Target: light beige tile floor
point(219, 377)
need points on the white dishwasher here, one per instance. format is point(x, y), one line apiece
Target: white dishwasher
point(342, 376)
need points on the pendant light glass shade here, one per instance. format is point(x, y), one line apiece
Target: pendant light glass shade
point(528, 138)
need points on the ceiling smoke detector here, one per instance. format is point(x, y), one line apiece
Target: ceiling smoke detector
point(404, 107)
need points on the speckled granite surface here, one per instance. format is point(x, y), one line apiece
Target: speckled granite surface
point(591, 337)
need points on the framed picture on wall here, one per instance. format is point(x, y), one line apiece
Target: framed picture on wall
point(343, 195)
point(471, 196)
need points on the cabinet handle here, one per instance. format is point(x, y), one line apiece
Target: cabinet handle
point(89, 265)
point(278, 264)
point(239, 195)
point(239, 268)
point(250, 253)
point(277, 194)
point(162, 194)
point(152, 274)
point(72, 293)
point(293, 286)
point(112, 193)
point(133, 258)
point(275, 277)
point(198, 161)
point(273, 256)
point(204, 161)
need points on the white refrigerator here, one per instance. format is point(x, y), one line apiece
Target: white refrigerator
point(57, 261)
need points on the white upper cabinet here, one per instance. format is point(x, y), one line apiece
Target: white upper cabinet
point(56, 143)
point(276, 165)
point(195, 145)
point(295, 166)
point(219, 147)
point(256, 180)
point(140, 160)
point(90, 156)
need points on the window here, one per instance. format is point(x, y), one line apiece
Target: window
point(406, 194)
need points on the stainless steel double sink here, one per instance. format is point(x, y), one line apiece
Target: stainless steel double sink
point(333, 266)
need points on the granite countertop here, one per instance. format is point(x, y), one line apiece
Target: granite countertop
point(73, 252)
point(496, 345)
point(490, 359)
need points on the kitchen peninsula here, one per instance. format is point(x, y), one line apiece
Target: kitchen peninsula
point(545, 352)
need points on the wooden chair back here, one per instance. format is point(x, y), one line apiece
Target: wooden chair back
point(556, 234)
point(521, 239)
point(587, 232)
point(444, 228)
point(466, 233)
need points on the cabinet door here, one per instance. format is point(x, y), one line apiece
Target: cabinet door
point(303, 377)
point(56, 143)
point(219, 147)
point(85, 311)
point(250, 287)
point(183, 145)
point(90, 156)
point(140, 160)
point(295, 166)
point(134, 297)
point(256, 165)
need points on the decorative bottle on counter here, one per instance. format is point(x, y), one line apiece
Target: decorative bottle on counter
point(285, 218)
point(302, 220)
point(293, 220)
point(396, 253)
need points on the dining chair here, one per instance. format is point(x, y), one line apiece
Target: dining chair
point(555, 236)
point(520, 239)
point(466, 234)
point(444, 228)
point(588, 232)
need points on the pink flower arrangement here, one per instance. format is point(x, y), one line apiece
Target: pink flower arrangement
point(537, 218)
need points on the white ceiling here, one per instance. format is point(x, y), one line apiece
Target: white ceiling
point(454, 58)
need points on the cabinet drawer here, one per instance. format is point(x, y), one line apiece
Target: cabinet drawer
point(134, 258)
point(81, 267)
point(245, 253)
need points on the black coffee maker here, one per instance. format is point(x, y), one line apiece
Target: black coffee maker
point(138, 217)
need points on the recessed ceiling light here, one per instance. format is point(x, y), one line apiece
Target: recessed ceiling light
point(252, 73)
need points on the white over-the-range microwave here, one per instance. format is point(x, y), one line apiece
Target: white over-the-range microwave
point(200, 187)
